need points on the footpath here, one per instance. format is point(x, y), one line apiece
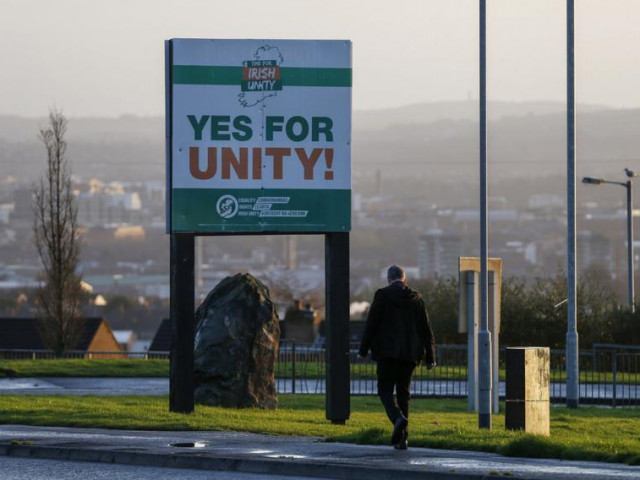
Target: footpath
point(282, 455)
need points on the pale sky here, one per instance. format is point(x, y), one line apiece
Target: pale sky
point(106, 57)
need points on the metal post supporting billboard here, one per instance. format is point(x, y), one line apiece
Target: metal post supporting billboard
point(337, 322)
point(181, 373)
point(181, 370)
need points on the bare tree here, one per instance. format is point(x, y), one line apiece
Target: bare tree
point(285, 290)
point(58, 244)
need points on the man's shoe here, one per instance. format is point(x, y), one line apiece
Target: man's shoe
point(399, 428)
point(404, 443)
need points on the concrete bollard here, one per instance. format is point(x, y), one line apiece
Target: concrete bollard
point(527, 401)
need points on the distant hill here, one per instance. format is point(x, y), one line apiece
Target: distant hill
point(424, 142)
point(127, 148)
point(129, 127)
point(458, 110)
point(519, 146)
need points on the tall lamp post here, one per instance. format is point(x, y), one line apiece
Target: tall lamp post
point(484, 335)
point(573, 383)
point(628, 185)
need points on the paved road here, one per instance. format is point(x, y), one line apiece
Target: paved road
point(85, 386)
point(281, 455)
point(35, 469)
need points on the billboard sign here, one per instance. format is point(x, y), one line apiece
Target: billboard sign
point(258, 136)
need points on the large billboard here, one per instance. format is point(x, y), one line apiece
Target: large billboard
point(258, 136)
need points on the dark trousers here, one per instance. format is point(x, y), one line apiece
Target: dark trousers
point(395, 375)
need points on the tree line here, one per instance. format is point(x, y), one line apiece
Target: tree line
point(534, 311)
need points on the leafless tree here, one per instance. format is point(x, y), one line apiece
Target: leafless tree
point(285, 290)
point(58, 244)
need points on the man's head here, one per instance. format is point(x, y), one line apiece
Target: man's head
point(396, 274)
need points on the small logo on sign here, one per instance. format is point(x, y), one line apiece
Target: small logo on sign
point(227, 206)
point(261, 77)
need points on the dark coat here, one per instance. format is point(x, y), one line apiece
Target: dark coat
point(398, 326)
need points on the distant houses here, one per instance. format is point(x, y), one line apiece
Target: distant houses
point(301, 324)
point(162, 339)
point(20, 336)
point(126, 338)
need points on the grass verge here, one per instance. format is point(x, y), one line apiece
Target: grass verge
point(309, 370)
point(64, 367)
point(583, 434)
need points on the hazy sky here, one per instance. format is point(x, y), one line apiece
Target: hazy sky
point(105, 57)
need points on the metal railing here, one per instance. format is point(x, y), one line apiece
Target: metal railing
point(609, 374)
point(26, 354)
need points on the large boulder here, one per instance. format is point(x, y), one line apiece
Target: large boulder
point(236, 345)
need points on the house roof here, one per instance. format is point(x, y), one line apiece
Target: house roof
point(23, 334)
point(123, 336)
point(162, 339)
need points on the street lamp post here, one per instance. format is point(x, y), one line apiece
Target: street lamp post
point(630, 259)
point(573, 383)
point(630, 264)
point(484, 336)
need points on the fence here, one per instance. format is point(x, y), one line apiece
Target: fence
point(25, 354)
point(609, 374)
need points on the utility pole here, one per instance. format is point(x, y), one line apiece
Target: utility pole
point(628, 185)
point(573, 393)
point(484, 336)
point(630, 260)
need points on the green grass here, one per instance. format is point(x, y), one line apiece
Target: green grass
point(585, 434)
point(61, 367)
point(310, 370)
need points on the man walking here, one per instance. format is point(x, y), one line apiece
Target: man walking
point(399, 336)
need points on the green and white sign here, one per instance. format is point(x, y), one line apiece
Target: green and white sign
point(259, 136)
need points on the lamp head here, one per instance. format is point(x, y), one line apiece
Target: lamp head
point(593, 181)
